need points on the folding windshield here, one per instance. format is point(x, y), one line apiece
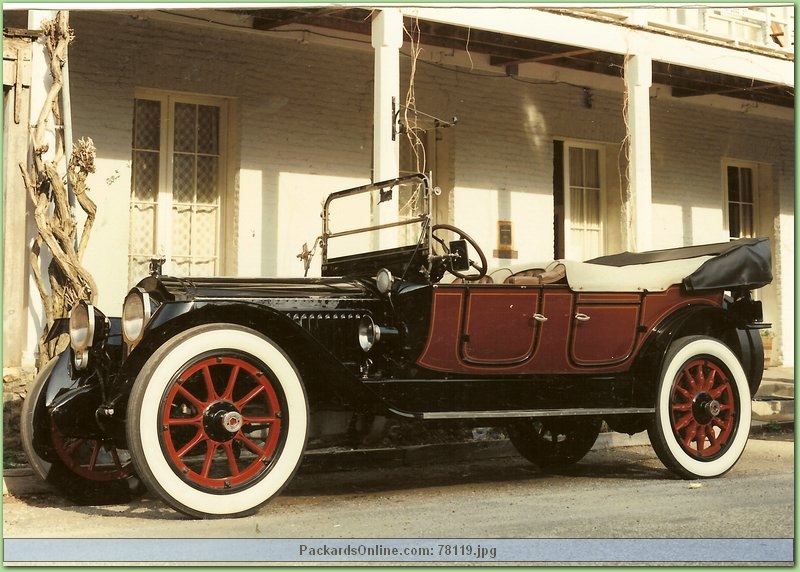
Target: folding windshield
point(386, 217)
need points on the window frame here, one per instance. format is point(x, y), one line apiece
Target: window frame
point(568, 144)
point(726, 201)
point(163, 224)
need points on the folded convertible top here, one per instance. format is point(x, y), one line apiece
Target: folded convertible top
point(743, 263)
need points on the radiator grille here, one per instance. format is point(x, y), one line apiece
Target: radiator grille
point(337, 331)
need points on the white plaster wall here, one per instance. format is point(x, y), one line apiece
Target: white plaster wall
point(303, 129)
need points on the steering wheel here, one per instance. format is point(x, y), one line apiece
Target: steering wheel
point(447, 259)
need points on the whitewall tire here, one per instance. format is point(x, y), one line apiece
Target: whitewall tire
point(703, 409)
point(217, 421)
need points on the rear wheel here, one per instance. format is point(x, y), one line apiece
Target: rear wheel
point(217, 421)
point(87, 471)
point(554, 442)
point(703, 411)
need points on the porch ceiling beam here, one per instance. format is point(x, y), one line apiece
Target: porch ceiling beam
point(610, 37)
point(495, 61)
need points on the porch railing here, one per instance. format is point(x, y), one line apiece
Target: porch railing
point(754, 27)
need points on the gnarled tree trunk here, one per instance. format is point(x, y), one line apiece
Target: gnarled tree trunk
point(68, 281)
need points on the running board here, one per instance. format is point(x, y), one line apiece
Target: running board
point(527, 413)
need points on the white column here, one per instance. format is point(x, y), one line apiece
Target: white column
point(387, 38)
point(638, 79)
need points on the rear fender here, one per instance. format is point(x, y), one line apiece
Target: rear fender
point(695, 320)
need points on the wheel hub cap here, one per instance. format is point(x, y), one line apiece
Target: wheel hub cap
point(713, 407)
point(705, 408)
point(232, 421)
point(222, 421)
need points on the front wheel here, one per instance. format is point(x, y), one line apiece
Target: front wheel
point(217, 421)
point(702, 418)
point(86, 470)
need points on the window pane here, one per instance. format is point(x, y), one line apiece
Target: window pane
point(145, 176)
point(146, 124)
point(733, 184)
point(576, 211)
point(208, 129)
point(183, 178)
point(143, 229)
point(592, 168)
point(592, 209)
point(204, 233)
point(576, 167)
point(207, 180)
point(733, 220)
point(746, 185)
point(185, 127)
point(747, 221)
point(181, 230)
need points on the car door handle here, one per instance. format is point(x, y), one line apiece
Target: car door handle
point(539, 318)
point(582, 317)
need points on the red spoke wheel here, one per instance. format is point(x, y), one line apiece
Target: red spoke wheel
point(88, 471)
point(92, 459)
point(217, 421)
point(703, 412)
point(221, 422)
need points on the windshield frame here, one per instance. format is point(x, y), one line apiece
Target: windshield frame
point(423, 220)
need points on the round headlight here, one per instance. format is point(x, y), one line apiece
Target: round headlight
point(368, 334)
point(384, 280)
point(135, 315)
point(81, 326)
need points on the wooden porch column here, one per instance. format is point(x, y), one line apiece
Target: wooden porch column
point(637, 235)
point(387, 38)
point(17, 92)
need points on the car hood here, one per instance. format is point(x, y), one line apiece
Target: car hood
point(226, 288)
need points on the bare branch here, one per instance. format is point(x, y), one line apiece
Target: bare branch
point(68, 281)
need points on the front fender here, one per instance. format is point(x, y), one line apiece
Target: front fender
point(52, 378)
point(321, 371)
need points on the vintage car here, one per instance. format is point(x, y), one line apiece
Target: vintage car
point(206, 391)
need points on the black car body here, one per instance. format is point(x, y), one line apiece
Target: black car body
point(206, 390)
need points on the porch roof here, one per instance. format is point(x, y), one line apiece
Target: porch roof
point(507, 50)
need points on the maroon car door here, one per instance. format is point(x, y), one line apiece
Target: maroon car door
point(605, 328)
point(501, 325)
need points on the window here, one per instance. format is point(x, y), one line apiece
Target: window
point(177, 185)
point(583, 201)
point(741, 193)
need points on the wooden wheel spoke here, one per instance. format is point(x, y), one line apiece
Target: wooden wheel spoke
point(228, 394)
point(93, 456)
point(231, 459)
point(210, 451)
point(243, 401)
point(73, 446)
point(250, 444)
point(211, 394)
point(200, 405)
point(193, 442)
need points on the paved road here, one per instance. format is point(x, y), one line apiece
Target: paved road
point(621, 493)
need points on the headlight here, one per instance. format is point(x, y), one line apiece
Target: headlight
point(135, 315)
point(370, 333)
point(384, 280)
point(84, 322)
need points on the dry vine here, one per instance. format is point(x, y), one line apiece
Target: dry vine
point(57, 229)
